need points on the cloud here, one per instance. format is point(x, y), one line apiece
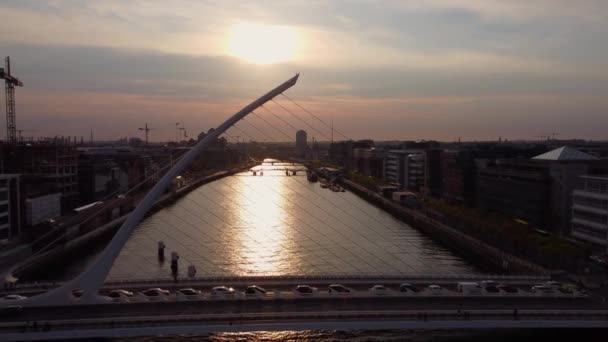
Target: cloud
point(411, 64)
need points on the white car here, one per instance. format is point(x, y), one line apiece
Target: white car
point(255, 291)
point(435, 289)
point(222, 291)
point(188, 294)
point(305, 290)
point(542, 290)
point(120, 295)
point(14, 297)
point(379, 290)
point(156, 293)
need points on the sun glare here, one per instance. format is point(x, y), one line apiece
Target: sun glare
point(262, 44)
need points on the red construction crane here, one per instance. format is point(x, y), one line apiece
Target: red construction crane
point(10, 82)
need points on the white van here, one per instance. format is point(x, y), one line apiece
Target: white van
point(469, 288)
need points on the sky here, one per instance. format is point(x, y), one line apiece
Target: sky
point(385, 70)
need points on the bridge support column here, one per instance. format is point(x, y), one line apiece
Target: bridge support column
point(174, 264)
point(161, 251)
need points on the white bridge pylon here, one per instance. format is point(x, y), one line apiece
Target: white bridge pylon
point(92, 279)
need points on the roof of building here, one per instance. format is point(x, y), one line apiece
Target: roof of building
point(565, 153)
point(598, 177)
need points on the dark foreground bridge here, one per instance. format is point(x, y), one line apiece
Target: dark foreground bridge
point(300, 313)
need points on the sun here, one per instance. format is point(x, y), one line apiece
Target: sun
point(262, 44)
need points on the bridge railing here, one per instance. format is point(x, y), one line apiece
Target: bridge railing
point(301, 278)
point(341, 277)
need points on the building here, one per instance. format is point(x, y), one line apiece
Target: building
point(103, 171)
point(369, 161)
point(459, 167)
point(519, 188)
point(590, 211)
point(537, 190)
point(10, 207)
point(565, 165)
point(301, 142)
point(405, 168)
point(48, 166)
point(432, 172)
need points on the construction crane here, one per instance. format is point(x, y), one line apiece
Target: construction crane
point(19, 131)
point(176, 130)
point(10, 82)
point(146, 129)
point(183, 129)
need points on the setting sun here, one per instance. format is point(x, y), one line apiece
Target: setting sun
point(262, 44)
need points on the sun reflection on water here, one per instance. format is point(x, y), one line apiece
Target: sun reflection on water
point(263, 229)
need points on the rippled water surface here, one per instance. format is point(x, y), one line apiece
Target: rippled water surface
point(280, 225)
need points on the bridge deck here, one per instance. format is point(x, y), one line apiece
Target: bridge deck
point(146, 318)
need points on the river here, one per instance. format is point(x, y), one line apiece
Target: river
point(274, 224)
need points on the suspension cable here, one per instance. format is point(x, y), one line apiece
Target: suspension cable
point(313, 115)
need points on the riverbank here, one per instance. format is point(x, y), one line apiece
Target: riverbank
point(82, 248)
point(448, 236)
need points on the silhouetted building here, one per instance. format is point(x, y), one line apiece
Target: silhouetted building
point(301, 142)
point(10, 207)
point(105, 171)
point(51, 167)
point(432, 172)
point(369, 161)
point(519, 188)
point(459, 169)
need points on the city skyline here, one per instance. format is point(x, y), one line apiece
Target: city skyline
point(391, 71)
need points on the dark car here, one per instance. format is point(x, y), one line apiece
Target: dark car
point(337, 288)
point(492, 289)
point(305, 289)
point(11, 310)
point(407, 287)
point(507, 288)
point(255, 290)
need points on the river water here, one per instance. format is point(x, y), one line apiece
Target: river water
point(274, 224)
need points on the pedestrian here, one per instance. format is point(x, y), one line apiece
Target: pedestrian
point(35, 325)
point(515, 313)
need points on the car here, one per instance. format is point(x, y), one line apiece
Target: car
point(507, 288)
point(492, 289)
point(156, 293)
point(305, 290)
point(120, 295)
point(188, 293)
point(542, 289)
point(553, 284)
point(434, 289)
point(407, 287)
point(486, 283)
point(254, 290)
point(222, 291)
point(468, 288)
point(14, 297)
point(339, 289)
point(379, 290)
point(10, 310)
